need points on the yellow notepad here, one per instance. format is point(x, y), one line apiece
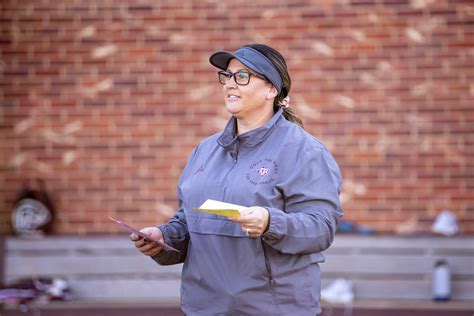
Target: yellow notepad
point(220, 208)
point(221, 212)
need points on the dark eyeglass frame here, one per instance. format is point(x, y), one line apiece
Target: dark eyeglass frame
point(225, 76)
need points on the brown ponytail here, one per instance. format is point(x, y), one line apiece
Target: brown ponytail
point(290, 115)
point(279, 62)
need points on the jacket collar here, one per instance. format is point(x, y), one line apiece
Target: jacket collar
point(229, 141)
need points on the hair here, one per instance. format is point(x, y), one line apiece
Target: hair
point(280, 65)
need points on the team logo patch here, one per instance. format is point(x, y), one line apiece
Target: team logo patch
point(263, 171)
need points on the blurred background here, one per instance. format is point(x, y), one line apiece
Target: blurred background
point(103, 101)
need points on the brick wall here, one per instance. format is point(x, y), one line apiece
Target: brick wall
point(104, 100)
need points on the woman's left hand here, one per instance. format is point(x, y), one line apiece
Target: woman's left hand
point(253, 220)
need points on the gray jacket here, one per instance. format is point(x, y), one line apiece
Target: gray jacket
point(277, 166)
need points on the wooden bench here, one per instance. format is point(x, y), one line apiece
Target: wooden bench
point(109, 269)
point(96, 268)
point(399, 268)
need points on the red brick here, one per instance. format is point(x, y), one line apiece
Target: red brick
point(406, 138)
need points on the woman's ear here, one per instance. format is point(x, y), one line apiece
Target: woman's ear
point(272, 93)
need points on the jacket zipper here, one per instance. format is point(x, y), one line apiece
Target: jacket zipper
point(272, 282)
point(234, 163)
point(267, 265)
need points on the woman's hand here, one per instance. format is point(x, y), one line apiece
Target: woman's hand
point(148, 247)
point(253, 220)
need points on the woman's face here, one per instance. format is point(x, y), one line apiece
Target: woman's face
point(249, 101)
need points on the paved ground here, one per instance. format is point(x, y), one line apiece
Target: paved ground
point(394, 312)
point(172, 311)
point(97, 312)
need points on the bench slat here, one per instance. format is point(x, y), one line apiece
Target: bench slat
point(69, 242)
point(85, 265)
point(402, 264)
point(394, 242)
point(126, 289)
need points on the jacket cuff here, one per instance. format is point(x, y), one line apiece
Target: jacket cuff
point(277, 225)
point(163, 256)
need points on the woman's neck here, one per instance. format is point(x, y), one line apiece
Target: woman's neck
point(247, 124)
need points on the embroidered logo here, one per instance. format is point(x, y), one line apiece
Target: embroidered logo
point(263, 171)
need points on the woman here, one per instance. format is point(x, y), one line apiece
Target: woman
point(264, 262)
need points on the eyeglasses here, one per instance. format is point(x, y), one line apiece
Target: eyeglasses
point(241, 77)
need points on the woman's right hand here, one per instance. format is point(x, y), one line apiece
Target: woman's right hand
point(148, 247)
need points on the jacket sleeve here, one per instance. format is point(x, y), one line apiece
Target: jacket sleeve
point(312, 206)
point(175, 232)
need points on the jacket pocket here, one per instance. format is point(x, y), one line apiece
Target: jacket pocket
point(215, 225)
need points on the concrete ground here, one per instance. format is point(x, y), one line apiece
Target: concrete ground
point(464, 309)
